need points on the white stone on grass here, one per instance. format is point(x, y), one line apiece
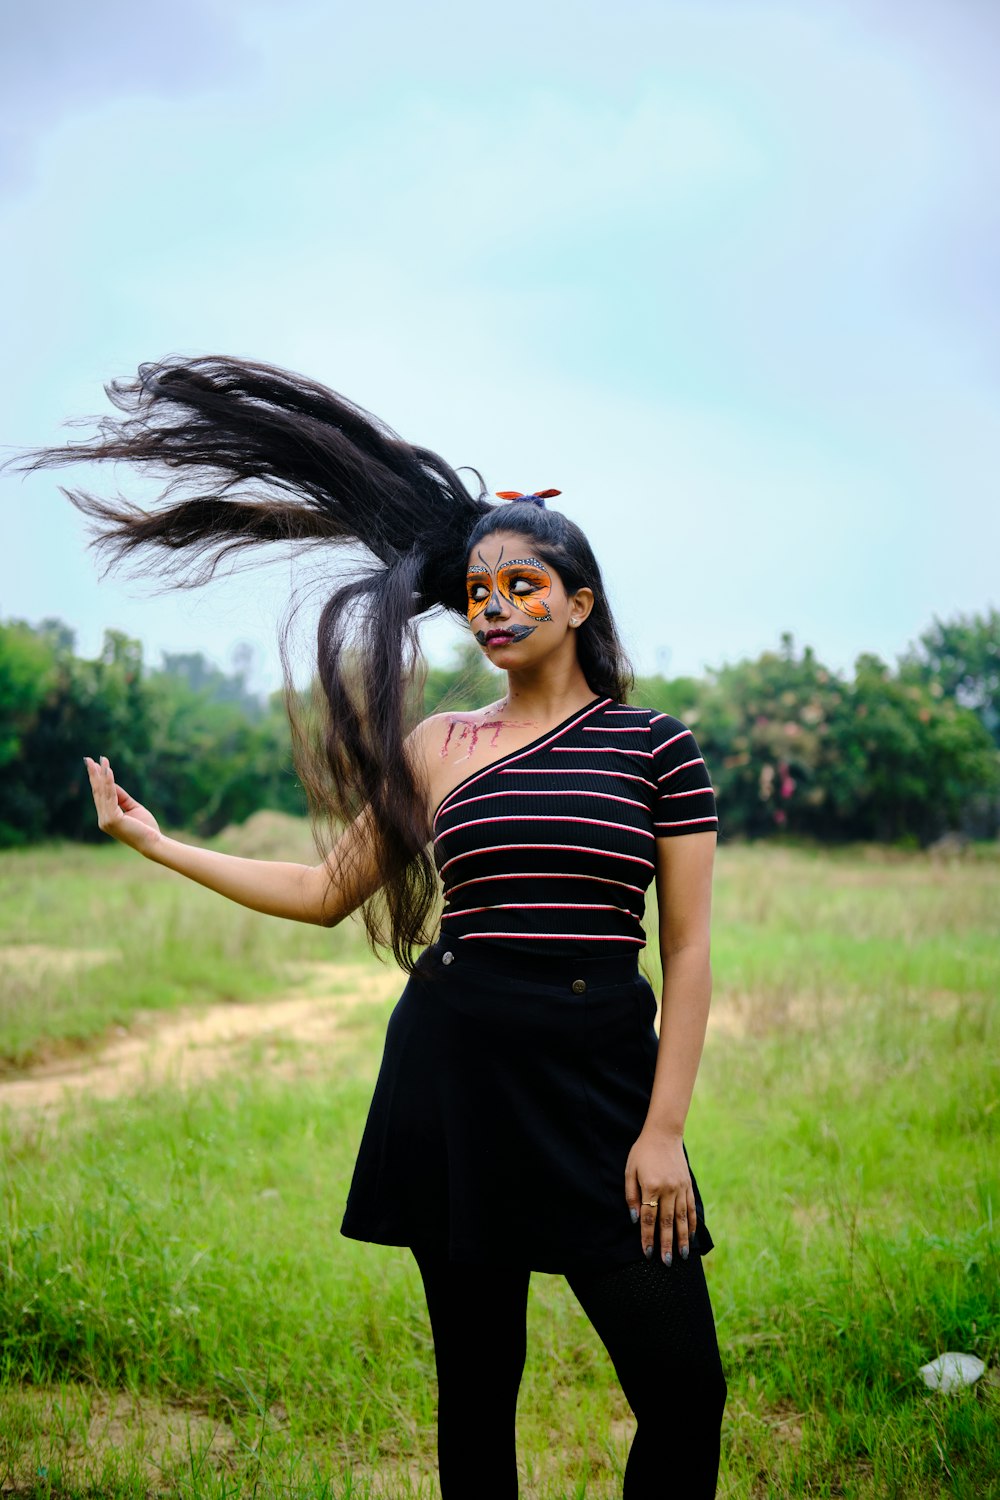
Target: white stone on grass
point(949, 1372)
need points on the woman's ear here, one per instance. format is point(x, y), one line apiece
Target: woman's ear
point(580, 605)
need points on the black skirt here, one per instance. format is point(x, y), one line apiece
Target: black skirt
point(510, 1094)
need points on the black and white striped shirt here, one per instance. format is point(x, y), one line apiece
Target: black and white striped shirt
point(552, 847)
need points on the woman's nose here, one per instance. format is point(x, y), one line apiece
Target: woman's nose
point(494, 606)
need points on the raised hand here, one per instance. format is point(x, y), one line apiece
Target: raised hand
point(119, 815)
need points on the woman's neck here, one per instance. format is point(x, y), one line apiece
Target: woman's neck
point(547, 696)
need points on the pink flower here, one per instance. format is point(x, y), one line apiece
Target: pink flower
point(787, 785)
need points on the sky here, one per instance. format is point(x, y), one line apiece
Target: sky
point(724, 272)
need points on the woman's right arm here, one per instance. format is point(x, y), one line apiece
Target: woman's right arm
point(322, 894)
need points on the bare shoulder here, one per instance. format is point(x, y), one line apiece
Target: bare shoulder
point(426, 740)
point(439, 736)
point(445, 746)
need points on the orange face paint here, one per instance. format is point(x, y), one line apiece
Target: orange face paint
point(527, 584)
point(523, 582)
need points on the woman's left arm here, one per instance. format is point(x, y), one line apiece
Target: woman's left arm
point(657, 1178)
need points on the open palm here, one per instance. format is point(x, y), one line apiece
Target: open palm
point(118, 814)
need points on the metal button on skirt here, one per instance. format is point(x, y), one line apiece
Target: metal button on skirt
point(510, 1093)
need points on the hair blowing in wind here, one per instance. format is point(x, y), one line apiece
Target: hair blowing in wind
point(254, 454)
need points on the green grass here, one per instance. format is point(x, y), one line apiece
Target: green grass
point(161, 941)
point(181, 1316)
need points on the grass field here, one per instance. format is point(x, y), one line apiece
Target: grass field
point(181, 1316)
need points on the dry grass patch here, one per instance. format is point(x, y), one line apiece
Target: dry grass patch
point(755, 1013)
point(290, 1036)
point(43, 960)
point(75, 1428)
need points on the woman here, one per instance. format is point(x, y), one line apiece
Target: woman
point(525, 1116)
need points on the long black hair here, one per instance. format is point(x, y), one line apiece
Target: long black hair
point(262, 455)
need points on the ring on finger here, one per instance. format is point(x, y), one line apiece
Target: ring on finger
point(650, 1202)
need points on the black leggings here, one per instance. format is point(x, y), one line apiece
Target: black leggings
point(655, 1322)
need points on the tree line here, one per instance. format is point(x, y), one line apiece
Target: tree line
point(903, 753)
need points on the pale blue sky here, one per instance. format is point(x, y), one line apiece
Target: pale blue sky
point(724, 272)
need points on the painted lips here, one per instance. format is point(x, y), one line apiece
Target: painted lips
point(503, 637)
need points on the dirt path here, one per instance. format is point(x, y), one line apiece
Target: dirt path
point(188, 1046)
point(185, 1047)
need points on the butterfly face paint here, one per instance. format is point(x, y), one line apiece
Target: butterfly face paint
point(523, 582)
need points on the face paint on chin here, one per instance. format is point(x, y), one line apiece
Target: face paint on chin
point(510, 633)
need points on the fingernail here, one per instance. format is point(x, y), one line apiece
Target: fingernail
point(633, 1214)
point(667, 1258)
point(684, 1252)
point(648, 1252)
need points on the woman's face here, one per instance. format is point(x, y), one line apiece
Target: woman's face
point(518, 608)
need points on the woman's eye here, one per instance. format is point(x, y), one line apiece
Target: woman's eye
point(477, 592)
point(522, 586)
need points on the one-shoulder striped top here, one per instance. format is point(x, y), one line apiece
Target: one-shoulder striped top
point(552, 847)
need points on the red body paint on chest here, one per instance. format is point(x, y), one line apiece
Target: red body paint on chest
point(470, 729)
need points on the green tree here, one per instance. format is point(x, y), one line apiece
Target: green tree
point(921, 758)
point(209, 764)
point(27, 672)
point(764, 727)
point(199, 756)
point(90, 708)
point(960, 659)
point(210, 682)
point(795, 746)
point(792, 745)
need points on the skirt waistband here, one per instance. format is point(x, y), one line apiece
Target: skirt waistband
point(551, 970)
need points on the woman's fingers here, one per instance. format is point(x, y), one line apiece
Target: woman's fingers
point(632, 1194)
point(658, 1183)
point(118, 814)
point(98, 782)
point(679, 1237)
point(647, 1218)
point(125, 802)
point(667, 1218)
point(678, 1222)
point(102, 784)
